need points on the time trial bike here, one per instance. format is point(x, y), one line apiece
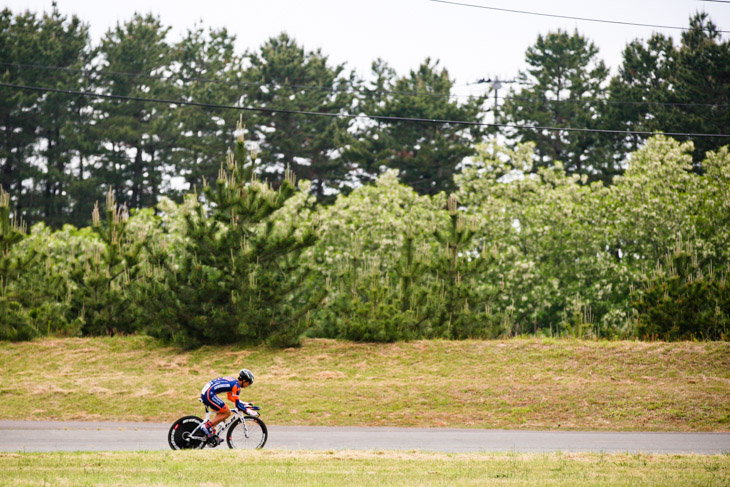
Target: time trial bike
point(242, 429)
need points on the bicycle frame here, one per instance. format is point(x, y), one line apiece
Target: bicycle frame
point(223, 426)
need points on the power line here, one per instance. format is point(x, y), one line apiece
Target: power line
point(407, 93)
point(594, 100)
point(350, 116)
point(585, 19)
point(275, 84)
point(497, 80)
point(717, 1)
point(611, 102)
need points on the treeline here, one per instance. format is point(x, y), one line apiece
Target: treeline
point(509, 252)
point(60, 152)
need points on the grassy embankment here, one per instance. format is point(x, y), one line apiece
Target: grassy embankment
point(323, 469)
point(519, 383)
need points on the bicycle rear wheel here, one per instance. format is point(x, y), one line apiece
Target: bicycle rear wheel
point(180, 432)
point(251, 435)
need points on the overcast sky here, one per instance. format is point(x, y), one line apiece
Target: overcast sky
point(471, 43)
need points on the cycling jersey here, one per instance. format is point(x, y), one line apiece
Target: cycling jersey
point(210, 392)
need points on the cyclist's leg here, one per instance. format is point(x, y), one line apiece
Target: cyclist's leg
point(221, 415)
point(216, 404)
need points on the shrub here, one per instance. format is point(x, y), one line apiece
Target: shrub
point(680, 300)
point(14, 321)
point(238, 275)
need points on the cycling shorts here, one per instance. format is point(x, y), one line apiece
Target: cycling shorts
point(214, 402)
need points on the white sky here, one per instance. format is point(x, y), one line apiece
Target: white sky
point(471, 43)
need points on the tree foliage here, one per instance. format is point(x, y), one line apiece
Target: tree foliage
point(210, 71)
point(239, 277)
point(371, 255)
point(136, 138)
point(674, 88)
point(679, 299)
point(14, 323)
point(59, 153)
point(286, 77)
point(428, 152)
point(558, 233)
point(512, 252)
point(41, 127)
point(100, 299)
point(565, 82)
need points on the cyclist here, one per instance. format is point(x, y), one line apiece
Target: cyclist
point(210, 398)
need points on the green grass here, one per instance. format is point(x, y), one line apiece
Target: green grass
point(519, 383)
point(323, 469)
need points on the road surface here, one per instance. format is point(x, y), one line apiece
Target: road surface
point(30, 436)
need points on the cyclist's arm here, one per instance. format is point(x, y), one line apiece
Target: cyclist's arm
point(233, 396)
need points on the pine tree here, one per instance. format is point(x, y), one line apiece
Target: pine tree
point(426, 154)
point(19, 41)
point(38, 145)
point(459, 302)
point(101, 301)
point(701, 79)
point(564, 71)
point(210, 71)
point(681, 300)
point(239, 277)
point(138, 137)
point(14, 322)
point(665, 87)
point(636, 93)
point(286, 77)
point(372, 302)
point(64, 44)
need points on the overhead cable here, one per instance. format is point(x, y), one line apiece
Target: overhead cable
point(585, 19)
point(549, 101)
point(271, 84)
point(407, 93)
point(597, 101)
point(386, 118)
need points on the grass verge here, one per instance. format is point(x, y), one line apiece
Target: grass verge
point(519, 383)
point(307, 468)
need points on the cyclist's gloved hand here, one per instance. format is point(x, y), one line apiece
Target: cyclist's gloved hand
point(244, 406)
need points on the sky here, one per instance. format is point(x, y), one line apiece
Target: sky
point(471, 43)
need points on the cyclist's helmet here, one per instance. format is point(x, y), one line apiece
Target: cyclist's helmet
point(245, 375)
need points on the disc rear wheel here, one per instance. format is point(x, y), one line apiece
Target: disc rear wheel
point(180, 435)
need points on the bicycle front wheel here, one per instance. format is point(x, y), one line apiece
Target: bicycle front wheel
point(249, 434)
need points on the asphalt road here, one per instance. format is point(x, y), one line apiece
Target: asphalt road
point(32, 436)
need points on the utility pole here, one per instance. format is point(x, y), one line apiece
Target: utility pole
point(496, 85)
